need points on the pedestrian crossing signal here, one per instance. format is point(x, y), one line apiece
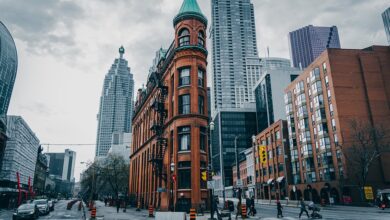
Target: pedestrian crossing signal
point(263, 154)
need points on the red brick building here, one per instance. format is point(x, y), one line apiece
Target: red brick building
point(273, 176)
point(339, 87)
point(170, 121)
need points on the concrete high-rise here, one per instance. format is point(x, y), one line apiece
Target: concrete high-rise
point(386, 22)
point(234, 43)
point(8, 69)
point(307, 43)
point(116, 104)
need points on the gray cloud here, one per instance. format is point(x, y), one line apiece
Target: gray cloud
point(45, 26)
point(37, 108)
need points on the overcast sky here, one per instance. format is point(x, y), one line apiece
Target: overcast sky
point(66, 47)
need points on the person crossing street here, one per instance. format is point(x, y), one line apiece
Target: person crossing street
point(303, 208)
point(279, 208)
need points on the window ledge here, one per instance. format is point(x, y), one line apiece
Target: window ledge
point(184, 152)
point(184, 86)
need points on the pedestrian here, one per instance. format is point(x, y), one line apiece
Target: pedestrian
point(303, 208)
point(105, 201)
point(253, 209)
point(118, 205)
point(248, 202)
point(279, 207)
point(238, 209)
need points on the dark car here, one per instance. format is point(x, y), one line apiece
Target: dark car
point(26, 211)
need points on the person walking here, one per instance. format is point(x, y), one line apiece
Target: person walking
point(239, 211)
point(303, 208)
point(118, 205)
point(279, 208)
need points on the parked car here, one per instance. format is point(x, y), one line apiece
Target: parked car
point(383, 198)
point(43, 206)
point(26, 211)
point(51, 205)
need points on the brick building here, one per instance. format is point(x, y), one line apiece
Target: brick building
point(274, 175)
point(170, 121)
point(339, 87)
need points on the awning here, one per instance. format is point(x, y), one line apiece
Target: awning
point(280, 179)
point(270, 181)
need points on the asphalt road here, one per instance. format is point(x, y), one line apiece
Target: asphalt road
point(60, 211)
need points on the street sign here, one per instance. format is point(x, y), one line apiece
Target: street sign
point(211, 184)
point(331, 200)
point(368, 192)
point(294, 189)
point(161, 190)
point(239, 183)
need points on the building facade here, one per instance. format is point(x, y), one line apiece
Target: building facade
point(234, 42)
point(340, 88)
point(170, 121)
point(229, 125)
point(269, 92)
point(8, 70)
point(116, 104)
point(19, 160)
point(247, 174)
point(307, 43)
point(386, 22)
point(274, 174)
point(41, 172)
point(62, 164)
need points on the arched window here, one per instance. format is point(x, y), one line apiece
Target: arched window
point(201, 41)
point(184, 37)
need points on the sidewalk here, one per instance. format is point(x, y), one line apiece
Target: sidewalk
point(5, 214)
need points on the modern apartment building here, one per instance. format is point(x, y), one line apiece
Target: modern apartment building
point(386, 22)
point(269, 91)
point(116, 104)
point(233, 35)
point(62, 164)
point(8, 70)
point(307, 43)
point(274, 174)
point(170, 121)
point(340, 88)
point(19, 160)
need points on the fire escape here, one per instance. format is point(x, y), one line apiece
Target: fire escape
point(157, 156)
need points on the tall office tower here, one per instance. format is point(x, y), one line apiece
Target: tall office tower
point(234, 40)
point(277, 75)
point(116, 104)
point(62, 165)
point(386, 22)
point(8, 69)
point(307, 43)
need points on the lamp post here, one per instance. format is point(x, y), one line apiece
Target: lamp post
point(237, 167)
point(93, 181)
point(221, 160)
point(172, 179)
point(211, 127)
point(254, 165)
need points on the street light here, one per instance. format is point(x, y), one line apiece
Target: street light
point(237, 168)
point(211, 126)
point(254, 165)
point(172, 176)
point(90, 164)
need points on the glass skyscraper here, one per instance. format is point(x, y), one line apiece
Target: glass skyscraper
point(8, 68)
point(116, 104)
point(307, 43)
point(234, 43)
point(386, 22)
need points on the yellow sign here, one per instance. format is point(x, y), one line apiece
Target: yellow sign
point(263, 154)
point(368, 192)
point(204, 176)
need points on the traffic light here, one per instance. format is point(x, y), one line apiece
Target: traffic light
point(204, 176)
point(263, 154)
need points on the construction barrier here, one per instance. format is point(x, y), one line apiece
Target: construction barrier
point(93, 213)
point(192, 214)
point(151, 211)
point(243, 210)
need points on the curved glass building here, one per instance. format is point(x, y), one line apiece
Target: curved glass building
point(8, 68)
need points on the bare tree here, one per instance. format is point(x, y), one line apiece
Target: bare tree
point(115, 172)
point(367, 144)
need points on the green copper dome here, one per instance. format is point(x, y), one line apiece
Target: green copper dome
point(190, 9)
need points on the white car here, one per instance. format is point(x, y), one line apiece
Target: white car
point(43, 206)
